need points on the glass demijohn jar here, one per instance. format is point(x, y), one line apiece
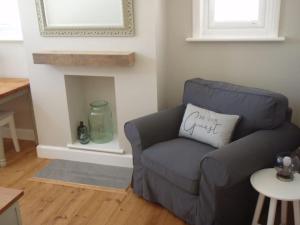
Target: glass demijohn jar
point(100, 122)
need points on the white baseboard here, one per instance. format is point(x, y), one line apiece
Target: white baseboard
point(52, 152)
point(22, 134)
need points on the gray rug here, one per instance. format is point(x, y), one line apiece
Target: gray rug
point(87, 173)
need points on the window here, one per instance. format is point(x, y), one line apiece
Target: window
point(10, 26)
point(236, 13)
point(236, 20)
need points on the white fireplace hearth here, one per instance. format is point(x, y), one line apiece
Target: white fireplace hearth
point(110, 147)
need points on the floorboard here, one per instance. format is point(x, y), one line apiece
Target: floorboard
point(56, 204)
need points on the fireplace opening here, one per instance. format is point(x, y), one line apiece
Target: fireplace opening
point(81, 91)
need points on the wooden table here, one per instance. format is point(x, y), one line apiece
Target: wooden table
point(9, 207)
point(11, 88)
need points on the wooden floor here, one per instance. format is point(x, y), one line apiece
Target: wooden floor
point(52, 204)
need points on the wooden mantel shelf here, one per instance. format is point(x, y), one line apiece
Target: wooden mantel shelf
point(62, 58)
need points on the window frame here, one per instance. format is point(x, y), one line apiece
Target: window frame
point(267, 28)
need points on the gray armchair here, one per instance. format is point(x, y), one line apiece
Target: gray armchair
point(198, 183)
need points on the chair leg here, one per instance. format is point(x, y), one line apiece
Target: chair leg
point(13, 132)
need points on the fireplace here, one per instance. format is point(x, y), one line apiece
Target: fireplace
point(74, 80)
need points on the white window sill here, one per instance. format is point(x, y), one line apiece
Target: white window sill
point(235, 39)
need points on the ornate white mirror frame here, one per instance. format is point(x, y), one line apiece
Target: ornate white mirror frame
point(47, 30)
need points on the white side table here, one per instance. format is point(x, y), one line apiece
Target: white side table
point(266, 183)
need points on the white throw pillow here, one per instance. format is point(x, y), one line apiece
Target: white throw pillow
point(207, 126)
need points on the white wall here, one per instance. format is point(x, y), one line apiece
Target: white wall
point(12, 63)
point(273, 66)
point(161, 51)
point(136, 87)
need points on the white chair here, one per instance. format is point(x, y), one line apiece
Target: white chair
point(7, 118)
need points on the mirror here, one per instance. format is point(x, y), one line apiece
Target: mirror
point(85, 17)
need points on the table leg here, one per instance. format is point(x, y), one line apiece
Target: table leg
point(19, 218)
point(272, 211)
point(33, 117)
point(296, 205)
point(2, 153)
point(284, 205)
point(258, 209)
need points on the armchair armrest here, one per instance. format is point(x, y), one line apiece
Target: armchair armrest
point(237, 161)
point(149, 130)
point(154, 128)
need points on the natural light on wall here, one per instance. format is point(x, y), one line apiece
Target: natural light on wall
point(10, 26)
point(236, 10)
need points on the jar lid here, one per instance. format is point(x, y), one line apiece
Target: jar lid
point(99, 103)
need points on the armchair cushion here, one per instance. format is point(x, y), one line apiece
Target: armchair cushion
point(208, 127)
point(259, 109)
point(177, 161)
